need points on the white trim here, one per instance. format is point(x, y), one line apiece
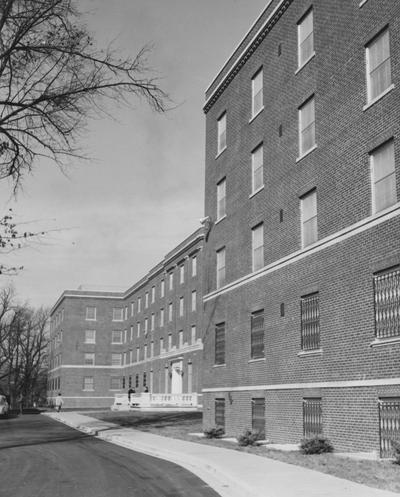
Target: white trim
point(321, 384)
point(259, 359)
point(306, 153)
point(340, 236)
point(305, 63)
point(307, 353)
point(220, 219)
point(256, 114)
point(219, 365)
point(221, 151)
point(256, 191)
point(376, 99)
point(362, 3)
point(242, 40)
point(82, 366)
point(379, 342)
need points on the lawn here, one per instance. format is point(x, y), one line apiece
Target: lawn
point(381, 474)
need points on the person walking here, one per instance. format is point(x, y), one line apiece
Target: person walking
point(59, 402)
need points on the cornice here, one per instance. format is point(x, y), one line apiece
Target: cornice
point(254, 43)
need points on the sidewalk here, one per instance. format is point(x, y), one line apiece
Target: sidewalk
point(229, 472)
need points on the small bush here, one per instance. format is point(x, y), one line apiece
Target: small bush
point(316, 445)
point(248, 438)
point(396, 451)
point(216, 432)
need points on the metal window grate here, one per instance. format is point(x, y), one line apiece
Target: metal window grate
point(220, 343)
point(310, 332)
point(312, 417)
point(389, 424)
point(387, 304)
point(257, 335)
point(220, 412)
point(258, 416)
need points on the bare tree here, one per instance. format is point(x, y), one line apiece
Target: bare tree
point(52, 78)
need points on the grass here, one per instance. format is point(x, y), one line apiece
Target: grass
point(380, 474)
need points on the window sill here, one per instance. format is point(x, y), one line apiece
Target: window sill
point(379, 342)
point(88, 390)
point(220, 152)
point(256, 114)
point(376, 99)
point(256, 191)
point(88, 319)
point(301, 157)
point(219, 365)
point(260, 359)
point(362, 3)
point(220, 219)
point(306, 353)
point(305, 63)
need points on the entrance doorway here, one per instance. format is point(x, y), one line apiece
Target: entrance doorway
point(176, 379)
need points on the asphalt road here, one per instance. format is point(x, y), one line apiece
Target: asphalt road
point(42, 458)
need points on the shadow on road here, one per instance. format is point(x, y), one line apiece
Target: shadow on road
point(74, 437)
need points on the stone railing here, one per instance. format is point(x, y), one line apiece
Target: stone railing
point(121, 401)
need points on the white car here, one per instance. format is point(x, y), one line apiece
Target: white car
point(3, 405)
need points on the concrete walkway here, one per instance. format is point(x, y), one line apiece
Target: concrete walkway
point(231, 473)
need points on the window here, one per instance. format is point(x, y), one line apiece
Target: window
point(88, 383)
point(118, 314)
point(257, 168)
point(222, 133)
point(181, 304)
point(116, 336)
point(132, 308)
point(193, 300)
point(131, 356)
point(146, 325)
point(389, 416)
point(170, 311)
point(138, 329)
point(115, 383)
point(144, 379)
point(146, 300)
point(383, 177)
point(309, 225)
point(258, 416)
point(221, 199)
point(257, 334)
point(151, 349)
point(152, 322)
point(125, 357)
point(307, 126)
point(90, 336)
point(126, 313)
point(305, 38)
point(310, 333)
point(90, 313)
point(136, 381)
point(145, 351)
point(180, 339)
point(220, 413)
point(153, 294)
point(194, 266)
point(387, 303)
point(379, 76)
point(193, 334)
point(125, 336)
point(171, 280)
point(258, 247)
point(137, 354)
point(131, 333)
point(181, 274)
point(257, 93)
point(162, 288)
point(161, 317)
point(221, 267)
point(219, 344)
point(312, 417)
point(161, 344)
point(116, 359)
point(89, 360)
point(139, 304)
point(169, 341)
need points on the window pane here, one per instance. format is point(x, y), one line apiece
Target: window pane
point(257, 92)
point(387, 303)
point(258, 247)
point(221, 196)
point(305, 38)
point(257, 335)
point(379, 65)
point(220, 344)
point(257, 165)
point(221, 268)
point(222, 133)
point(307, 126)
point(310, 334)
point(309, 220)
point(384, 177)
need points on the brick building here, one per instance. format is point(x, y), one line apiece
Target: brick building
point(301, 273)
point(148, 337)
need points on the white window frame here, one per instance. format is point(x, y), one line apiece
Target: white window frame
point(256, 166)
point(180, 339)
point(306, 220)
point(114, 339)
point(221, 133)
point(139, 304)
point(153, 294)
point(171, 280)
point(137, 354)
point(194, 266)
point(169, 341)
point(193, 334)
point(88, 384)
point(371, 97)
point(116, 359)
point(152, 322)
point(91, 339)
point(170, 311)
point(138, 326)
point(257, 89)
point(302, 58)
point(221, 267)
point(305, 127)
point(161, 317)
point(162, 288)
point(182, 273)
point(194, 300)
point(221, 199)
point(257, 249)
point(126, 313)
point(181, 306)
point(118, 314)
point(87, 313)
point(151, 349)
point(390, 176)
point(146, 300)
point(89, 359)
point(113, 379)
point(146, 325)
point(132, 308)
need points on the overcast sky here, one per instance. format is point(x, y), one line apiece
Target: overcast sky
point(142, 193)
